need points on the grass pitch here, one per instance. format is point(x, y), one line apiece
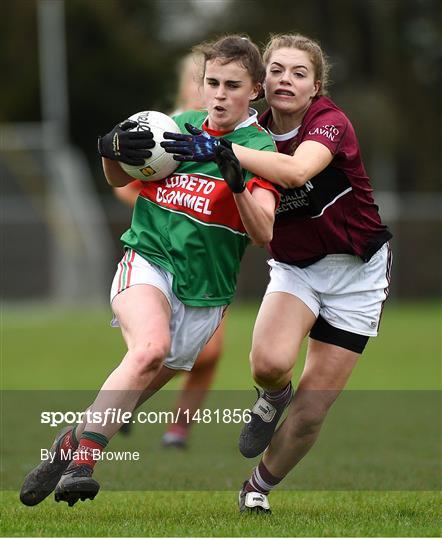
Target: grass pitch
point(196, 514)
point(50, 349)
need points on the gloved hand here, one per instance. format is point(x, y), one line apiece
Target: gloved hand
point(127, 146)
point(198, 146)
point(229, 166)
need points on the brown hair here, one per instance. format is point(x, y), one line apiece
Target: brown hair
point(235, 48)
point(303, 43)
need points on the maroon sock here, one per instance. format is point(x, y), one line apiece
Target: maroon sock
point(262, 480)
point(284, 395)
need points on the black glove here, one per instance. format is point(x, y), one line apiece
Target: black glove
point(127, 146)
point(229, 166)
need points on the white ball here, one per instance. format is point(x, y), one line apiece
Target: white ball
point(160, 164)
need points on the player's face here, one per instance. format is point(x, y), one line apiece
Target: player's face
point(290, 81)
point(228, 89)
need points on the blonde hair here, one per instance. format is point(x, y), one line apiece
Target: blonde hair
point(302, 43)
point(190, 69)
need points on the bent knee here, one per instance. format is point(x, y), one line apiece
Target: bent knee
point(149, 358)
point(267, 367)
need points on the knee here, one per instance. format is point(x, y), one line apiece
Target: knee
point(267, 368)
point(148, 359)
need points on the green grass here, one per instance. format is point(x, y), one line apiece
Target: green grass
point(194, 514)
point(54, 349)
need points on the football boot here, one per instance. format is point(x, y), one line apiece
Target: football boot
point(257, 434)
point(41, 481)
point(253, 502)
point(76, 483)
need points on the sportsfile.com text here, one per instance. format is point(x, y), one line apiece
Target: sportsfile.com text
point(117, 416)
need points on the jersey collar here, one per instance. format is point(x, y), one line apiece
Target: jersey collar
point(284, 136)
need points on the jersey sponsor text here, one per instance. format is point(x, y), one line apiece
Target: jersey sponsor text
point(193, 184)
point(331, 132)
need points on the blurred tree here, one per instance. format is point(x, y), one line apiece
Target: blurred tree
point(122, 57)
point(19, 90)
point(385, 57)
point(116, 65)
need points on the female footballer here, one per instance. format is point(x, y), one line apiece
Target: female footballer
point(197, 382)
point(182, 256)
point(330, 266)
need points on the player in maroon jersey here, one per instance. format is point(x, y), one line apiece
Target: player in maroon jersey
point(330, 267)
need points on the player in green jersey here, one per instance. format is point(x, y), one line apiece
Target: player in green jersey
point(182, 257)
point(196, 383)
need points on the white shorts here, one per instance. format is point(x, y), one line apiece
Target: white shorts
point(347, 292)
point(190, 327)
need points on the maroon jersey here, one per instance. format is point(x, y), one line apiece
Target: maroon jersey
point(334, 212)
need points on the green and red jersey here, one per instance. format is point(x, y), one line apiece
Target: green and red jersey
point(189, 223)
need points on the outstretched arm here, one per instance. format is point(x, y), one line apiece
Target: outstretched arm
point(309, 159)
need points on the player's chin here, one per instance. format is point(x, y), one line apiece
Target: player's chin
point(222, 122)
point(283, 103)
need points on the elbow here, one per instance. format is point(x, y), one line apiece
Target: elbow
point(114, 174)
point(268, 238)
point(263, 239)
point(258, 243)
point(117, 181)
point(295, 178)
point(114, 182)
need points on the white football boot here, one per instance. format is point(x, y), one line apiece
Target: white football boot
point(253, 502)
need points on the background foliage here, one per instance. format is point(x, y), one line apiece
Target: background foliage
point(122, 57)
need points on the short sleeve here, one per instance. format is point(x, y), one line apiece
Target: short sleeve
point(327, 128)
point(265, 184)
